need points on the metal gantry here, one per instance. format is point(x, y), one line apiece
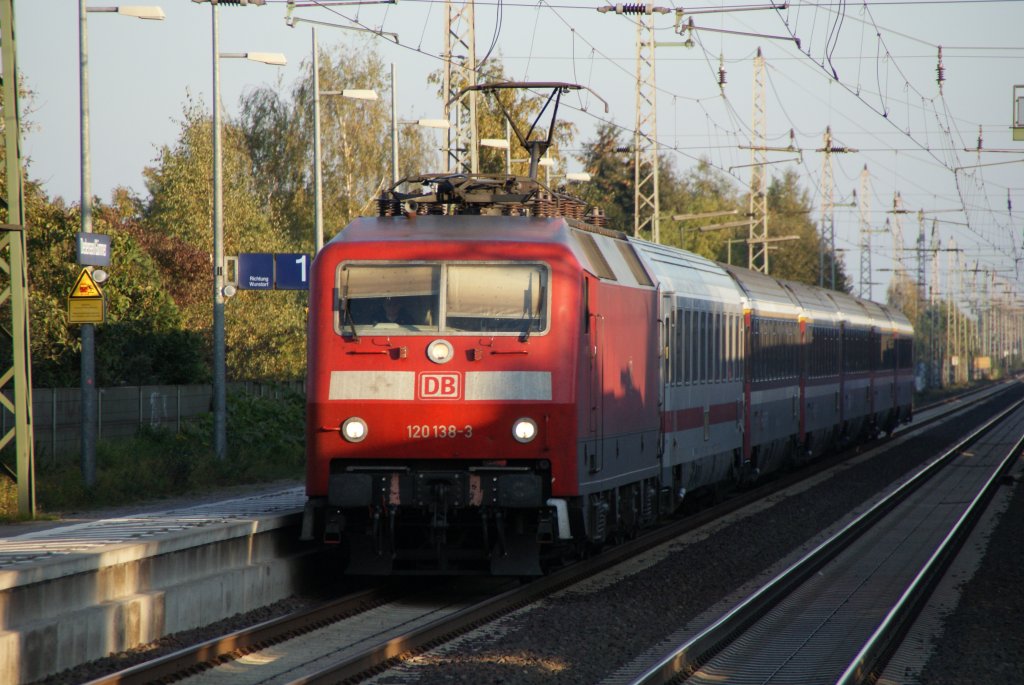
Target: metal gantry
point(828, 232)
point(459, 73)
point(645, 135)
point(14, 263)
point(897, 231)
point(757, 238)
point(865, 234)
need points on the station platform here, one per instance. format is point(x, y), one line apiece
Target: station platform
point(82, 587)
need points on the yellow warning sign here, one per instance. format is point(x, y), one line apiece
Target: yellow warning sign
point(86, 303)
point(85, 286)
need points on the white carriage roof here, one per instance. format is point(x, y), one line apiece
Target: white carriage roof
point(765, 294)
point(688, 274)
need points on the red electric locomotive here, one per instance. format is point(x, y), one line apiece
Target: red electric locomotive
point(496, 380)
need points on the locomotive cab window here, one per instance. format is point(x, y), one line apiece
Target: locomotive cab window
point(472, 298)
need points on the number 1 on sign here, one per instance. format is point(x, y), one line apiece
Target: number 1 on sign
point(301, 261)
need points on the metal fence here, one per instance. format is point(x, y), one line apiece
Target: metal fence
point(122, 411)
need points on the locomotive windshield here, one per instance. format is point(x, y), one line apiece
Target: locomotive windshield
point(448, 297)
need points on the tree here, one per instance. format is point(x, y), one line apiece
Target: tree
point(789, 213)
point(703, 189)
point(611, 176)
point(179, 215)
point(523, 106)
point(355, 143)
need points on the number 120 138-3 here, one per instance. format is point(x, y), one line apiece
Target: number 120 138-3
point(420, 431)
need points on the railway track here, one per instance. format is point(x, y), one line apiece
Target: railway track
point(392, 627)
point(834, 615)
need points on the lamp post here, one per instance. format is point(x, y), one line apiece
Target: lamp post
point(501, 144)
point(219, 353)
point(355, 94)
point(318, 207)
point(318, 191)
point(430, 123)
point(88, 360)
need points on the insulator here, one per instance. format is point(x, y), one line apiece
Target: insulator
point(570, 208)
point(597, 217)
point(721, 71)
point(634, 8)
point(940, 71)
point(387, 205)
point(545, 205)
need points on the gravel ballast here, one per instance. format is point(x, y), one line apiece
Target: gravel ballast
point(583, 637)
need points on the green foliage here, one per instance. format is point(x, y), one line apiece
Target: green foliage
point(141, 342)
point(265, 334)
point(355, 143)
point(266, 445)
point(180, 237)
point(702, 189)
point(523, 106)
point(789, 213)
point(611, 172)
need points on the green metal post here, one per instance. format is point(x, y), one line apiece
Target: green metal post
point(21, 370)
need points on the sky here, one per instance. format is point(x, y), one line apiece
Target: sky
point(867, 71)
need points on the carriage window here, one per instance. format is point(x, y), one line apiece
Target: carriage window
point(689, 347)
point(509, 299)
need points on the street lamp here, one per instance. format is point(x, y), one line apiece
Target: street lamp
point(220, 409)
point(318, 182)
point(426, 123)
point(502, 144)
point(88, 360)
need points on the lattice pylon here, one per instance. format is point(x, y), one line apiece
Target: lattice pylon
point(922, 277)
point(757, 245)
point(14, 266)
point(897, 232)
point(645, 137)
point(865, 234)
point(828, 201)
point(460, 72)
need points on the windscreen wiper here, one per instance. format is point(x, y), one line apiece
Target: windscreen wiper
point(529, 327)
point(346, 316)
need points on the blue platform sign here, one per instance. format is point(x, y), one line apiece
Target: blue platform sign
point(292, 271)
point(256, 271)
point(93, 249)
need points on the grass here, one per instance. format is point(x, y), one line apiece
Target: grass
point(265, 443)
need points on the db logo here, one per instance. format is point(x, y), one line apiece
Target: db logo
point(440, 386)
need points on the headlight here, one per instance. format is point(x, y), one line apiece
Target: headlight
point(524, 430)
point(440, 351)
point(354, 429)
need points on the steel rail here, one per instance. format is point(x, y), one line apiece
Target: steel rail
point(246, 639)
point(696, 650)
point(873, 654)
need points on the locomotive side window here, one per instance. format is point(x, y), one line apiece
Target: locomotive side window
point(411, 299)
